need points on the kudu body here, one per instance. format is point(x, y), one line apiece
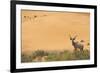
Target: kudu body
point(76, 45)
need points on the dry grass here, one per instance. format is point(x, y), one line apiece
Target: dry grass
point(43, 56)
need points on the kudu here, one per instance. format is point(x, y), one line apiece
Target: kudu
point(76, 45)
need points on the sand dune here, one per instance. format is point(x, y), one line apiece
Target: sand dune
point(50, 30)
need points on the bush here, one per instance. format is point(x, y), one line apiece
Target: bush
point(40, 53)
point(26, 58)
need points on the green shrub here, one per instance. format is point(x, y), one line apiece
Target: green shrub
point(82, 54)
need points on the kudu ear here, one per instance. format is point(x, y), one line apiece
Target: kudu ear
point(74, 37)
point(70, 37)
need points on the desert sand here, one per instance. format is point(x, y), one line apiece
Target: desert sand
point(47, 30)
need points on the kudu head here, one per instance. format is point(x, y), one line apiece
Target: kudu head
point(73, 38)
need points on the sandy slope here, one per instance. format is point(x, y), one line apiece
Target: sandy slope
point(50, 30)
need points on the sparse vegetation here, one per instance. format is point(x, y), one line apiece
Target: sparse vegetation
point(26, 58)
point(41, 56)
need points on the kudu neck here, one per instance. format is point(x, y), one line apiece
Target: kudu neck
point(73, 42)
